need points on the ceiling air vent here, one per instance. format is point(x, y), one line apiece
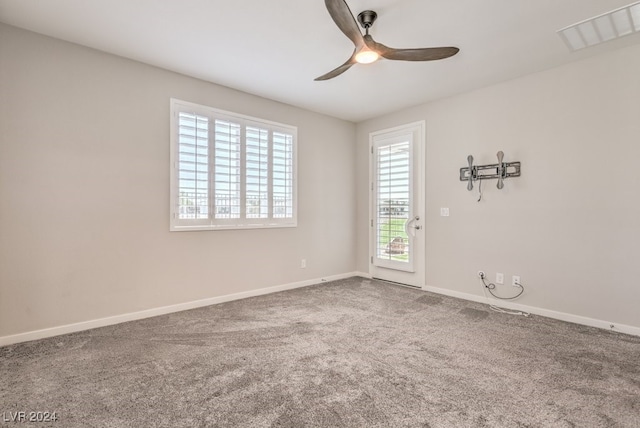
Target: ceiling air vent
point(602, 28)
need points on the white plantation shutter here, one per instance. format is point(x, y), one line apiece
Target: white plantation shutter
point(226, 180)
point(193, 166)
point(230, 171)
point(257, 172)
point(282, 175)
point(393, 169)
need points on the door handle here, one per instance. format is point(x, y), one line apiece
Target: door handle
point(409, 225)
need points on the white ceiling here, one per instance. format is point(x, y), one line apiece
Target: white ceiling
point(276, 48)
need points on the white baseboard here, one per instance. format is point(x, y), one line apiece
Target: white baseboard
point(117, 319)
point(576, 319)
point(362, 274)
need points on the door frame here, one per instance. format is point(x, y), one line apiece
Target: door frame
point(416, 278)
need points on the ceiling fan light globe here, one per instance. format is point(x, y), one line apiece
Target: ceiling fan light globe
point(367, 56)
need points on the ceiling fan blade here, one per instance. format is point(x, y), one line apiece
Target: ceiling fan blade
point(417, 54)
point(342, 16)
point(338, 71)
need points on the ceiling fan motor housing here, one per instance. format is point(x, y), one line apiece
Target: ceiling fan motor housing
point(366, 18)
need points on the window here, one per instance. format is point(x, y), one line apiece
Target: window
point(230, 171)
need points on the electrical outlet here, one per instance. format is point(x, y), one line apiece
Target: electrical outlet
point(515, 281)
point(303, 263)
point(444, 212)
point(499, 278)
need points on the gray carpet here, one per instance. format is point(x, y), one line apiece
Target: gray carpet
point(347, 353)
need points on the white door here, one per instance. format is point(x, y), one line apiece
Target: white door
point(397, 244)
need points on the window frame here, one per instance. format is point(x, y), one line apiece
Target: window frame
point(178, 106)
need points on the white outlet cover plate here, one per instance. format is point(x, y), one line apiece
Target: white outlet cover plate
point(444, 212)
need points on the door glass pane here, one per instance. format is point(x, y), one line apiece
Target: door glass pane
point(393, 201)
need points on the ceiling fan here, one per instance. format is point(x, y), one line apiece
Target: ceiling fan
point(368, 50)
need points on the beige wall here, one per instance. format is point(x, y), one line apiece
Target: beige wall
point(84, 178)
point(570, 226)
point(84, 191)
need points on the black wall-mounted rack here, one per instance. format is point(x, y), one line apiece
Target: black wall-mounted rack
point(499, 171)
